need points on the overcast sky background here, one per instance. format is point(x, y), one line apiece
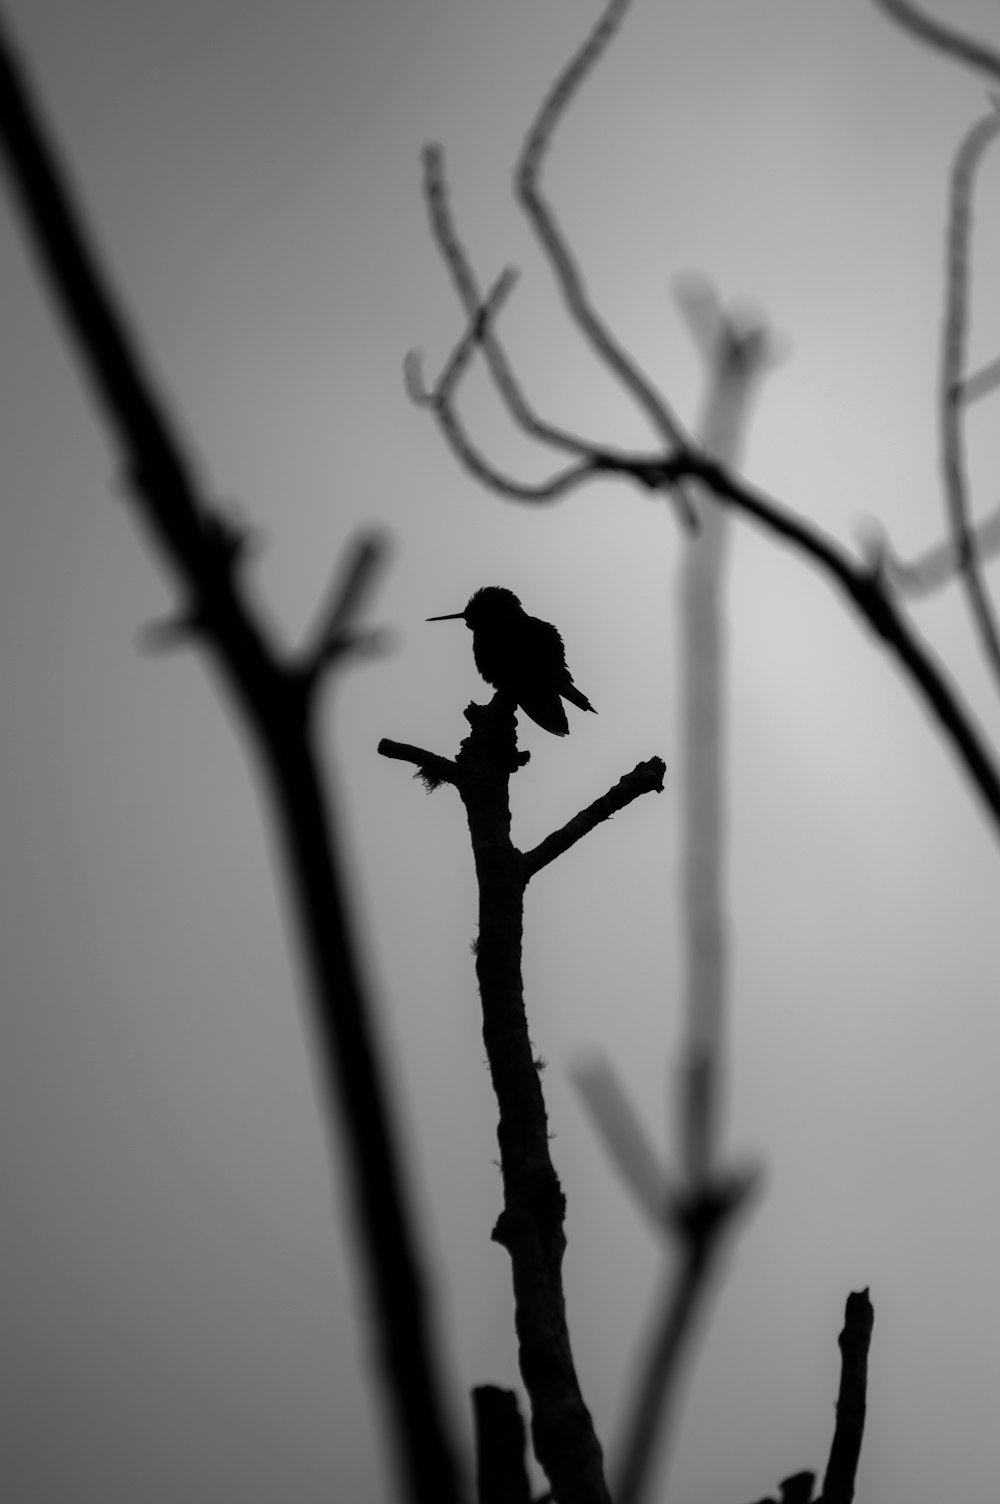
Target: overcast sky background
point(182, 1314)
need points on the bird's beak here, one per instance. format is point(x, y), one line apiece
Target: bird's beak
point(454, 616)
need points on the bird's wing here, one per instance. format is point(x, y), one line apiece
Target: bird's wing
point(550, 660)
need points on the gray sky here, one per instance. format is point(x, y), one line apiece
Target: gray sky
point(182, 1316)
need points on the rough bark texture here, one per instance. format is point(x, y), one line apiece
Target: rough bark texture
point(530, 1226)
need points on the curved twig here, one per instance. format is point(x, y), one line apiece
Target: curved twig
point(440, 399)
point(943, 38)
point(542, 219)
point(457, 261)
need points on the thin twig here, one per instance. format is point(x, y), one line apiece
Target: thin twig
point(440, 399)
point(967, 160)
point(943, 38)
point(553, 242)
point(463, 277)
point(644, 777)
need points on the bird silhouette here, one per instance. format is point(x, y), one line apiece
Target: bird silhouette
point(520, 656)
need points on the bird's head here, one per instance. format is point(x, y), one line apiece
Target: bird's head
point(489, 605)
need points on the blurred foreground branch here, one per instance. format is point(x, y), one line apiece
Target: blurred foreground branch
point(276, 696)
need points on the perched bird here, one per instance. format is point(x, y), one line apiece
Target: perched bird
point(521, 656)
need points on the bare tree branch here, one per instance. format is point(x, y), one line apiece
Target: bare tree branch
point(931, 570)
point(865, 586)
point(625, 1140)
point(845, 1449)
point(457, 261)
point(967, 160)
point(440, 399)
point(501, 1469)
point(481, 319)
point(943, 38)
point(866, 589)
point(699, 1224)
point(982, 382)
point(644, 777)
point(431, 766)
point(204, 551)
point(553, 242)
point(337, 633)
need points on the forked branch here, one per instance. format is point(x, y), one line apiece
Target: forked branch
point(274, 694)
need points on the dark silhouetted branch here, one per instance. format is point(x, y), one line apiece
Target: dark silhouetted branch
point(845, 1450)
point(432, 768)
point(337, 633)
point(531, 1224)
point(204, 551)
point(854, 1342)
point(501, 1470)
point(644, 778)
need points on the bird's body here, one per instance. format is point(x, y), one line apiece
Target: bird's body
point(521, 656)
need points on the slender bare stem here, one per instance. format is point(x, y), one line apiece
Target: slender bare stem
point(463, 277)
point(553, 242)
point(441, 400)
point(645, 776)
point(943, 38)
point(967, 160)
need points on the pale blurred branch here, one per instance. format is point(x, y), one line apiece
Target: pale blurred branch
point(934, 568)
point(952, 402)
point(625, 1140)
point(698, 1225)
point(984, 381)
